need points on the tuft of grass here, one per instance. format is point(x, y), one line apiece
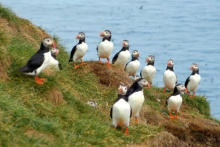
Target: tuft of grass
point(198, 102)
point(3, 38)
point(8, 14)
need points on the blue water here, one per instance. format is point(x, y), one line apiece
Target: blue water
point(184, 30)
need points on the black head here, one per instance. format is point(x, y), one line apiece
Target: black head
point(195, 68)
point(122, 89)
point(125, 43)
point(178, 89)
point(135, 54)
point(54, 51)
point(106, 35)
point(150, 60)
point(142, 82)
point(47, 42)
point(81, 36)
point(170, 63)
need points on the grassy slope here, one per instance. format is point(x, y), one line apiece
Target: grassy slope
point(56, 113)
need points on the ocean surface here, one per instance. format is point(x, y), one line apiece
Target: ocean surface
point(186, 31)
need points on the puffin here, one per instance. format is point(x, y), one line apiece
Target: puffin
point(122, 57)
point(105, 47)
point(149, 71)
point(40, 60)
point(169, 77)
point(54, 51)
point(192, 82)
point(121, 110)
point(136, 96)
point(175, 100)
point(132, 67)
point(79, 50)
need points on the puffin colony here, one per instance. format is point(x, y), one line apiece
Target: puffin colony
point(130, 99)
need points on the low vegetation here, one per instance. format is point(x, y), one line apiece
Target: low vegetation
point(57, 113)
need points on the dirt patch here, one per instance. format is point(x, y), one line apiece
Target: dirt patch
point(55, 96)
point(108, 76)
point(188, 129)
point(166, 139)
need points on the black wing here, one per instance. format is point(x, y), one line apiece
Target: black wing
point(33, 63)
point(72, 53)
point(141, 74)
point(126, 65)
point(131, 112)
point(111, 113)
point(187, 81)
point(97, 48)
point(129, 91)
point(115, 58)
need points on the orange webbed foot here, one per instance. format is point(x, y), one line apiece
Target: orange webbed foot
point(126, 131)
point(171, 116)
point(83, 63)
point(76, 66)
point(42, 79)
point(109, 66)
point(39, 81)
point(136, 120)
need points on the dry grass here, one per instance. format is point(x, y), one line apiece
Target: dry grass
point(191, 130)
point(39, 135)
point(108, 76)
point(55, 96)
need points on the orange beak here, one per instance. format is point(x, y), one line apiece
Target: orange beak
point(138, 54)
point(54, 45)
point(147, 60)
point(169, 64)
point(77, 37)
point(123, 44)
point(101, 34)
point(191, 68)
point(120, 90)
point(57, 51)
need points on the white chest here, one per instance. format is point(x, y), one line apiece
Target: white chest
point(169, 79)
point(123, 58)
point(148, 72)
point(132, 67)
point(136, 101)
point(80, 51)
point(105, 49)
point(174, 102)
point(193, 82)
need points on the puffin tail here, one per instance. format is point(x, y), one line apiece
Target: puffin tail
point(23, 69)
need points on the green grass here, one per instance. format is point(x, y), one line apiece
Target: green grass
point(7, 14)
point(198, 102)
point(22, 107)
point(27, 119)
